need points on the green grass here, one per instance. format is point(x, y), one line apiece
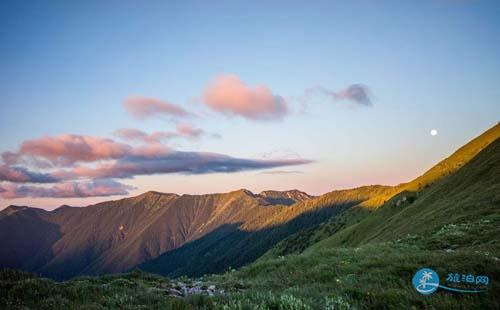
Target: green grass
point(136, 290)
point(375, 275)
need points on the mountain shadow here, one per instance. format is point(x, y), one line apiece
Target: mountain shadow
point(26, 238)
point(230, 246)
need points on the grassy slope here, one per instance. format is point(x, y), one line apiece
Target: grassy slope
point(470, 195)
point(298, 242)
point(451, 226)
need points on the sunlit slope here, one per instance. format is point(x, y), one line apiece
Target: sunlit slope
point(445, 167)
point(466, 197)
point(455, 161)
point(369, 209)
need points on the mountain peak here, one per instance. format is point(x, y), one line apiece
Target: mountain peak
point(153, 193)
point(241, 191)
point(13, 209)
point(288, 197)
point(150, 194)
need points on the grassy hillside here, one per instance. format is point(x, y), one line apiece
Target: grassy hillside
point(368, 262)
point(470, 195)
point(401, 195)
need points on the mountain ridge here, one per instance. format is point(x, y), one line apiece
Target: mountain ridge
point(229, 229)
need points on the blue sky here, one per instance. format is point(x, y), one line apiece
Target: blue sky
point(69, 67)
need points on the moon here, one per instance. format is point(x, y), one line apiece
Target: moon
point(434, 132)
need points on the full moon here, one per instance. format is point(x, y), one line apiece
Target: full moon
point(434, 132)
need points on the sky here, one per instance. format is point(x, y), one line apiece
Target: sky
point(101, 100)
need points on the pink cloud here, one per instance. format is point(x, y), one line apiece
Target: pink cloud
point(151, 150)
point(87, 157)
point(66, 190)
point(140, 136)
point(145, 107)
point(182, 130)
point(228, 94)
point(131, 134)
point(68, 149)
point(189, 131)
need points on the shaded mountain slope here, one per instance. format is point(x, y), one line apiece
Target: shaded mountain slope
point(236, 245)
point(117, 235)
point(26, 236)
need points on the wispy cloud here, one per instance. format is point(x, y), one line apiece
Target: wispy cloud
point(66, 190)
point(146, 107)
point(181, 131)
point(176, 162)
point(229, 95)
point(355, 93)
point(188, 131)
point(282, 172)
point(133, 134)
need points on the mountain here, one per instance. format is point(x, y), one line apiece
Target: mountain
point(117, 235)
point(197, 234)
point(241, 244)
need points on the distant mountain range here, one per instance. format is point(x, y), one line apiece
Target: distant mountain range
point(197, 234)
